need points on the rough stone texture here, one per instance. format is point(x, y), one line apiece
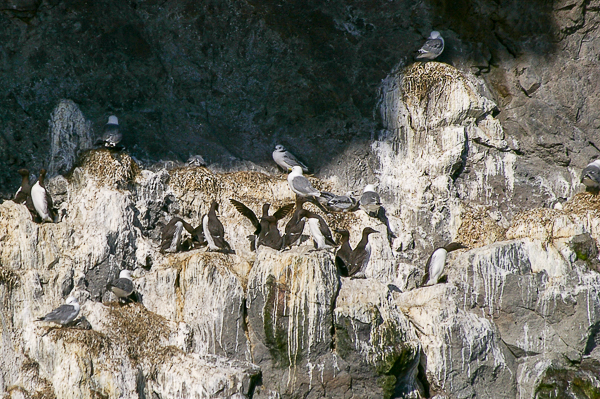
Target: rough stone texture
point(70, 134)
point(475, 148)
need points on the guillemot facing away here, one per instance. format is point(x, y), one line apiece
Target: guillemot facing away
point(590, 175)
point(286, 160)
point(266, 231)
point(300, 184)
point(214, 231)
point(41, 198)
point(435, 265)
point(433, 47)
point(295, 226)
point(64, 314)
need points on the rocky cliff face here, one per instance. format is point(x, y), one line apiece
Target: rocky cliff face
point(517, 314)
point(484, 148)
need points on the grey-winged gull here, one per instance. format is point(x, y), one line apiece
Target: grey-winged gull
point(112, 135)
point(300, 184)
point(370, 201)
point(433, 47)
point(42, 201)
point(286, 160)
point(338, 203)
point(123, 286)
point(64, 314)
point(435, 265)
point(590, 175)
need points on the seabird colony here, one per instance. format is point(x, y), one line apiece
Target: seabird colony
point(211, 233)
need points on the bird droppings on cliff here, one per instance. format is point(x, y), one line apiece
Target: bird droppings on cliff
point(433, 47)
point(111, 170)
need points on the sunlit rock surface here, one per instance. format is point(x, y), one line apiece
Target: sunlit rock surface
point(516, 315)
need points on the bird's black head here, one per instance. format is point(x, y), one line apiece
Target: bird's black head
point(265, 209)
point(453, 246)
point(343, 232)
point(214, 206)
point(369, 230)
point(23, 172)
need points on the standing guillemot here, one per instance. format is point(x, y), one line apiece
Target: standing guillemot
point(590, 175)
point(41, 198)
point(318, 229)
point(23, 195)
point(433, 47)
point(295, 226)
point(266, 231)
point(286, 160)
point(300, 184)
point(123, 286)
point(370, 201)
point(435, 265)
point(214, 231)
point(64, 314)
point(353, 262)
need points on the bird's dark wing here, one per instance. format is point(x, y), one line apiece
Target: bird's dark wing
point(426, 275)
point(20, 197)
point(432, 46)
point(124, 284)
point(244, 210)
point(283, 211)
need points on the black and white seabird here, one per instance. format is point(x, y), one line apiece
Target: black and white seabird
point(64, 314)
point(172, 233)
point(342, 256)
point(295, 226)
point(590, 175)
point(338, 203)
point(266, 231)
point(433, 47)
point(319, 230)
point(370, 201)
point(354, 262)
point(286, 160)
point(112, 135)
point(41, 198)
point(300, 184)
point(123, 286)
point(23, 195)
point(214, 231)
point(437, 261)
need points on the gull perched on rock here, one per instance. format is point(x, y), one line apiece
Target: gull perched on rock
point(370, 201)
point(286, 160)
point(112, 135)
point(64, 314)
point(300, 184)
point(123, 286)
point(437, 261)
point(339, 203)
point(433, 47)
point(590, 175)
